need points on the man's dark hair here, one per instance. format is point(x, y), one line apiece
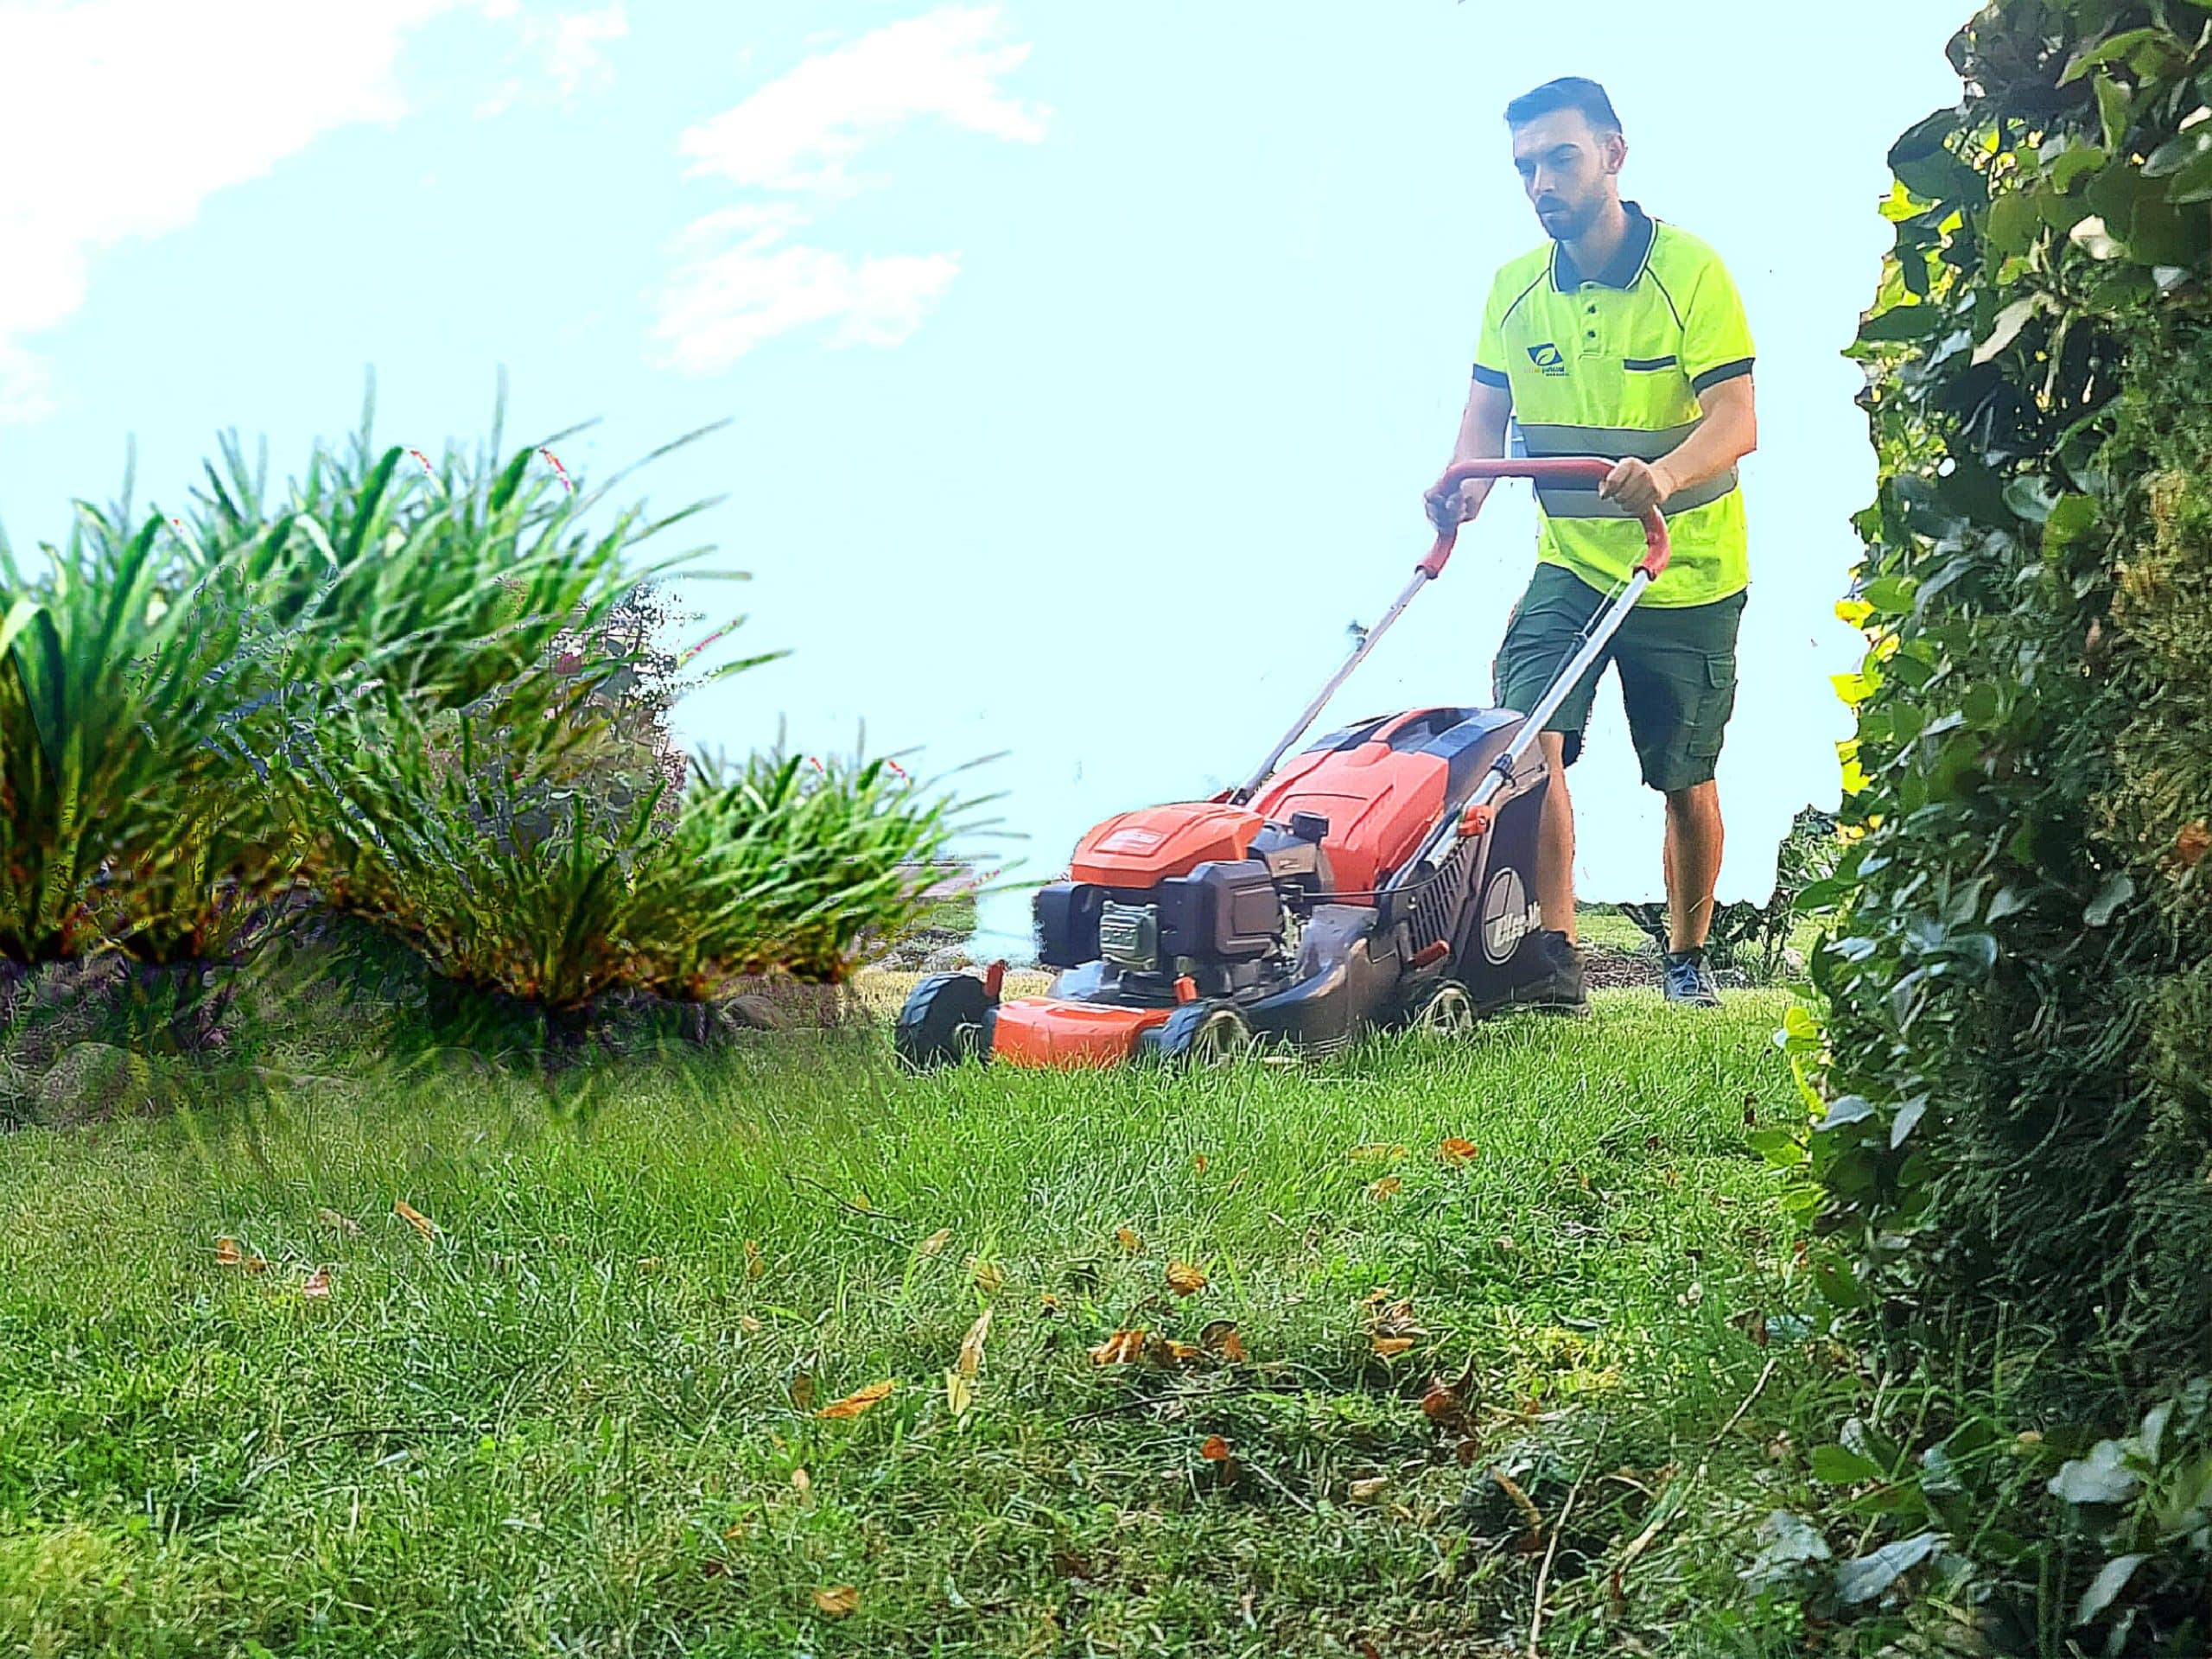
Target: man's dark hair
point(1568, 93)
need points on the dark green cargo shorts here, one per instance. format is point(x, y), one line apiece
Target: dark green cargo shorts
point(1677, 668)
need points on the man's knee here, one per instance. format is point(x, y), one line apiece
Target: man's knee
point(1695, 802)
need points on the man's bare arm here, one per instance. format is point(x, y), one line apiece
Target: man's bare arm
point(1729, 432)
point(1482, 437)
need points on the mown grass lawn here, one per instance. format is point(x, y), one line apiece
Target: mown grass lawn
point(581, 1415)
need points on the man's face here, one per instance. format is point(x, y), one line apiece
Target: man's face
point(1569, 170)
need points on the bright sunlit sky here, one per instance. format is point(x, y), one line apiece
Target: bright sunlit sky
point(1084, 364)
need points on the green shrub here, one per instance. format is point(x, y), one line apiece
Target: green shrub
point(139, 718)
point(444, 584)
point(2029, 757)
point(2013, 1135)
point(775, 865)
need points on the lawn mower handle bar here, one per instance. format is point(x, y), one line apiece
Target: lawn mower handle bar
point(1583, 469)
point(1563, 468)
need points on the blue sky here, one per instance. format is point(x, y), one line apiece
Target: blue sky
point(1083, 364)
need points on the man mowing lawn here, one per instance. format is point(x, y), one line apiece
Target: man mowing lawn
point(1622, 338)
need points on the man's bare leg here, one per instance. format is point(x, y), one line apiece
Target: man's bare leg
point(1555, 840)
point(1693, 855)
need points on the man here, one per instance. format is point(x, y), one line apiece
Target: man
point(1623, 338)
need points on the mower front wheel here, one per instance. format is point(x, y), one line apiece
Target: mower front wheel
point(1448, 1010)
point(943, 1022)
point(1201, 1034)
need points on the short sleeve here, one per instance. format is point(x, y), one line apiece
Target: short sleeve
point(1489, 348)
point(1716, 335)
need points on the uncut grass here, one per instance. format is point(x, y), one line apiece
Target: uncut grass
point(566, 1422)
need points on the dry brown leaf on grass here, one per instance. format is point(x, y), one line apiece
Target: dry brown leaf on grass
point(959, 1394)
point(345, 1224)
point(801, 1388)
point(1365, 1491)
point(1183, 1279)
point(228, 1255)
point(1169, 1356)
point(318, 1283)
point(935, 1242)
point(1387, 1347)
point(1388, 1187)
point(1442, 1406)
point(971, 1345)
point(2192, 843)
point(413, 1217)
point(1123, 1348)
point(1214, 1449)
point(1456, 1152)
point(839, 1601)
point(1130, 1243)
point(987, 1278)
point(853, 1404)
point(802, 1482)
point(754, 1266)
point(1199, 1163)
point(1396, 1319)
point(1220, 1339)
point(1522, 1501)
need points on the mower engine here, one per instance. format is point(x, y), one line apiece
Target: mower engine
point(1225, 922)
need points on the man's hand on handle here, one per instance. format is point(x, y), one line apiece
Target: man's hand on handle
point(1450, 506)
point(1639, 486)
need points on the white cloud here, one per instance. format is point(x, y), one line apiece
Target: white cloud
point(575, 48)
point(120, 117)
point(741, 282)
point(570, 51)
point(797, 133)
point(722, 305)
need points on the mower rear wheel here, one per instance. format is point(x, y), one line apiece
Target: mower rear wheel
point(1201, 1034)
point(1448, 1010)
point(942, 1023)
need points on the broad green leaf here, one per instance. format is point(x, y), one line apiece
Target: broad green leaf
point(2111, 1579)
point(2119, 887)
point(1868, 1578)
point(1839, 1465)
point(2006, 327)
point(2100, 1478)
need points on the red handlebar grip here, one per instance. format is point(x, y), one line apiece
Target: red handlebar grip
point(1565, 469)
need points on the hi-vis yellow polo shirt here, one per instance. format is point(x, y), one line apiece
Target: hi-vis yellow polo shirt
point(1612, 365)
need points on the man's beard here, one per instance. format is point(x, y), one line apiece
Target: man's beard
point(1571, 223)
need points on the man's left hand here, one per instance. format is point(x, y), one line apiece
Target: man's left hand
point(1638, 485)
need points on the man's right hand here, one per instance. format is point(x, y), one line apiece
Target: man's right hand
point(1448, 505)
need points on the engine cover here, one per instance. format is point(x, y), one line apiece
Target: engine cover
point(1222, 911)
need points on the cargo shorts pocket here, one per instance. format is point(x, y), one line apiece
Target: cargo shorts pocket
point(1716, 706)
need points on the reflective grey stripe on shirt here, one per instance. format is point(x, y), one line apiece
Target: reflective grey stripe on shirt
point(1614, 444)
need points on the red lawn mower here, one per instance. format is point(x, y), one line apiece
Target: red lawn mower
point(1385, 877)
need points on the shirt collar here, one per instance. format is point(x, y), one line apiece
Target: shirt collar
point(1627, 264)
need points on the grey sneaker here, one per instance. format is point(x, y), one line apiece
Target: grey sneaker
point(1689, 980)
point(1560, 990)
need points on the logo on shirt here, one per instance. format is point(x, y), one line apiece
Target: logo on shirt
point(1548, 358)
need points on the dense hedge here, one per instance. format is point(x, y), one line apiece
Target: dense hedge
point(2015, 1128)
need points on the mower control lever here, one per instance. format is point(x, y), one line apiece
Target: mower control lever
point(1551, 469)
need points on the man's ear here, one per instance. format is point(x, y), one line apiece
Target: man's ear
point(1616, 152)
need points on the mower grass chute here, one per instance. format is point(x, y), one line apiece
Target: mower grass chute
point(1383, 877)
